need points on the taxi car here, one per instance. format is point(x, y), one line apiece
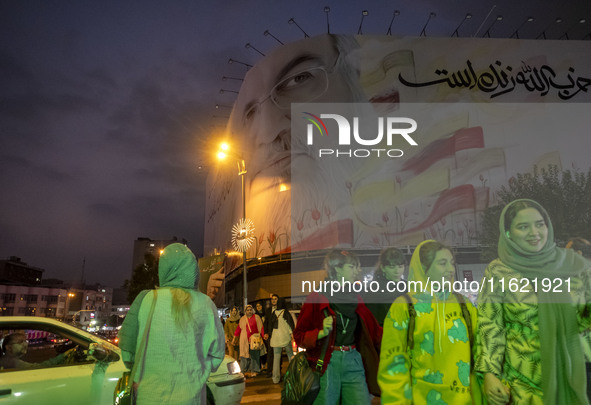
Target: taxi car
point(91, 371)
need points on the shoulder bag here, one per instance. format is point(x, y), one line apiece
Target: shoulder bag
point(124, 393)
point(302, 382)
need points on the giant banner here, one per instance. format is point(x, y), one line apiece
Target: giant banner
point(377, 141)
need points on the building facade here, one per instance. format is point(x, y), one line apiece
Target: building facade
point(14, 270)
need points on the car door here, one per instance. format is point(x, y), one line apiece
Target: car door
point(85, 381)
point(66, 384)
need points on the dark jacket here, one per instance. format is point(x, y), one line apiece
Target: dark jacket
point(379, 302)
point(271, 321)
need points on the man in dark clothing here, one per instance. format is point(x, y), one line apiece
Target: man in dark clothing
point(270, 320)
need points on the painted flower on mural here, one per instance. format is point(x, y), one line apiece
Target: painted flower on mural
point(300, 224)
point(349, 186)
point(272, 240)
point(327, 212)
point(258, 244)
point(316, 215)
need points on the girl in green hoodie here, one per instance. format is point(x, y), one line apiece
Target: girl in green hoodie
point(430, 362)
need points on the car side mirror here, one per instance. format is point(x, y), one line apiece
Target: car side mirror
point(101, 353)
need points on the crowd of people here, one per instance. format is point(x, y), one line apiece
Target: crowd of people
point(430, 346)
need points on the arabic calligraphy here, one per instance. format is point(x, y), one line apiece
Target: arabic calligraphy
point(499, 80)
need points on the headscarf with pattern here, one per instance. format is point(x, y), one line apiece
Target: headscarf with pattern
point(563, 365)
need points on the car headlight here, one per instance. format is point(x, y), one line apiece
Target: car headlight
point(233, 367)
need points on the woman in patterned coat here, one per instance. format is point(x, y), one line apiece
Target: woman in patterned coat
point(531, 351)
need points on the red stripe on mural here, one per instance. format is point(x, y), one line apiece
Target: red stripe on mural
point(449, 201)
point(334, 234)
point(465, 138)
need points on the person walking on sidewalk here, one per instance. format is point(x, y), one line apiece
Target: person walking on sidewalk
point(268, 322)
point(281, 337)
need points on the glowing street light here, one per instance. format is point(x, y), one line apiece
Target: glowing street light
point(245, 227)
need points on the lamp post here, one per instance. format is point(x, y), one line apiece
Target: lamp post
point(423, 32)
point(363, 14)
point(292, 21)
point(224, 151)
point(466, 17)
point(543, 34)
point(230, 61)
point(267, 33)
point(396, 14)
point(487, 33)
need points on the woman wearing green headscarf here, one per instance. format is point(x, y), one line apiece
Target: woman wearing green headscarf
point(529, 344)
point(185, 340)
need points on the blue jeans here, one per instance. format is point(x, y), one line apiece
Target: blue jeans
point(277, 360)
point(344, 381)
point(252, 363)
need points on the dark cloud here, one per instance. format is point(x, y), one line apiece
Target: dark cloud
point(104, 210)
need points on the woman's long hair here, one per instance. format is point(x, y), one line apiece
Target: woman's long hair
point(181, 307)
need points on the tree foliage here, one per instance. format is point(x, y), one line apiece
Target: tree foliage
point(566, 195)
point(144, 277)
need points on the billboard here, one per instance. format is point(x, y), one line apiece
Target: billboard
point(321, 126)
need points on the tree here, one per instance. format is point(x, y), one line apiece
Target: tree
point(566, 195)
point(144, 277)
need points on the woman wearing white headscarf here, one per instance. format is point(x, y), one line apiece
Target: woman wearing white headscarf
point(185, 342)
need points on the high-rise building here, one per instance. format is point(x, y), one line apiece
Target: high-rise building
point(143, 246)
point(14, 270)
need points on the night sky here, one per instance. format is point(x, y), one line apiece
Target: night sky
point(107, 109)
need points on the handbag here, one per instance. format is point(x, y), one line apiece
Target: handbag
point(124, 393)
point(302, 382)
point(255, 341)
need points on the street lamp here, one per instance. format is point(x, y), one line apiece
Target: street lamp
point(244, 229)
point(423, 32)
point(68, 298)
point(363, 14)
point(396, 14)
point(292, 21)
point(267, 33)
point(466, 17)
point(487, 33)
